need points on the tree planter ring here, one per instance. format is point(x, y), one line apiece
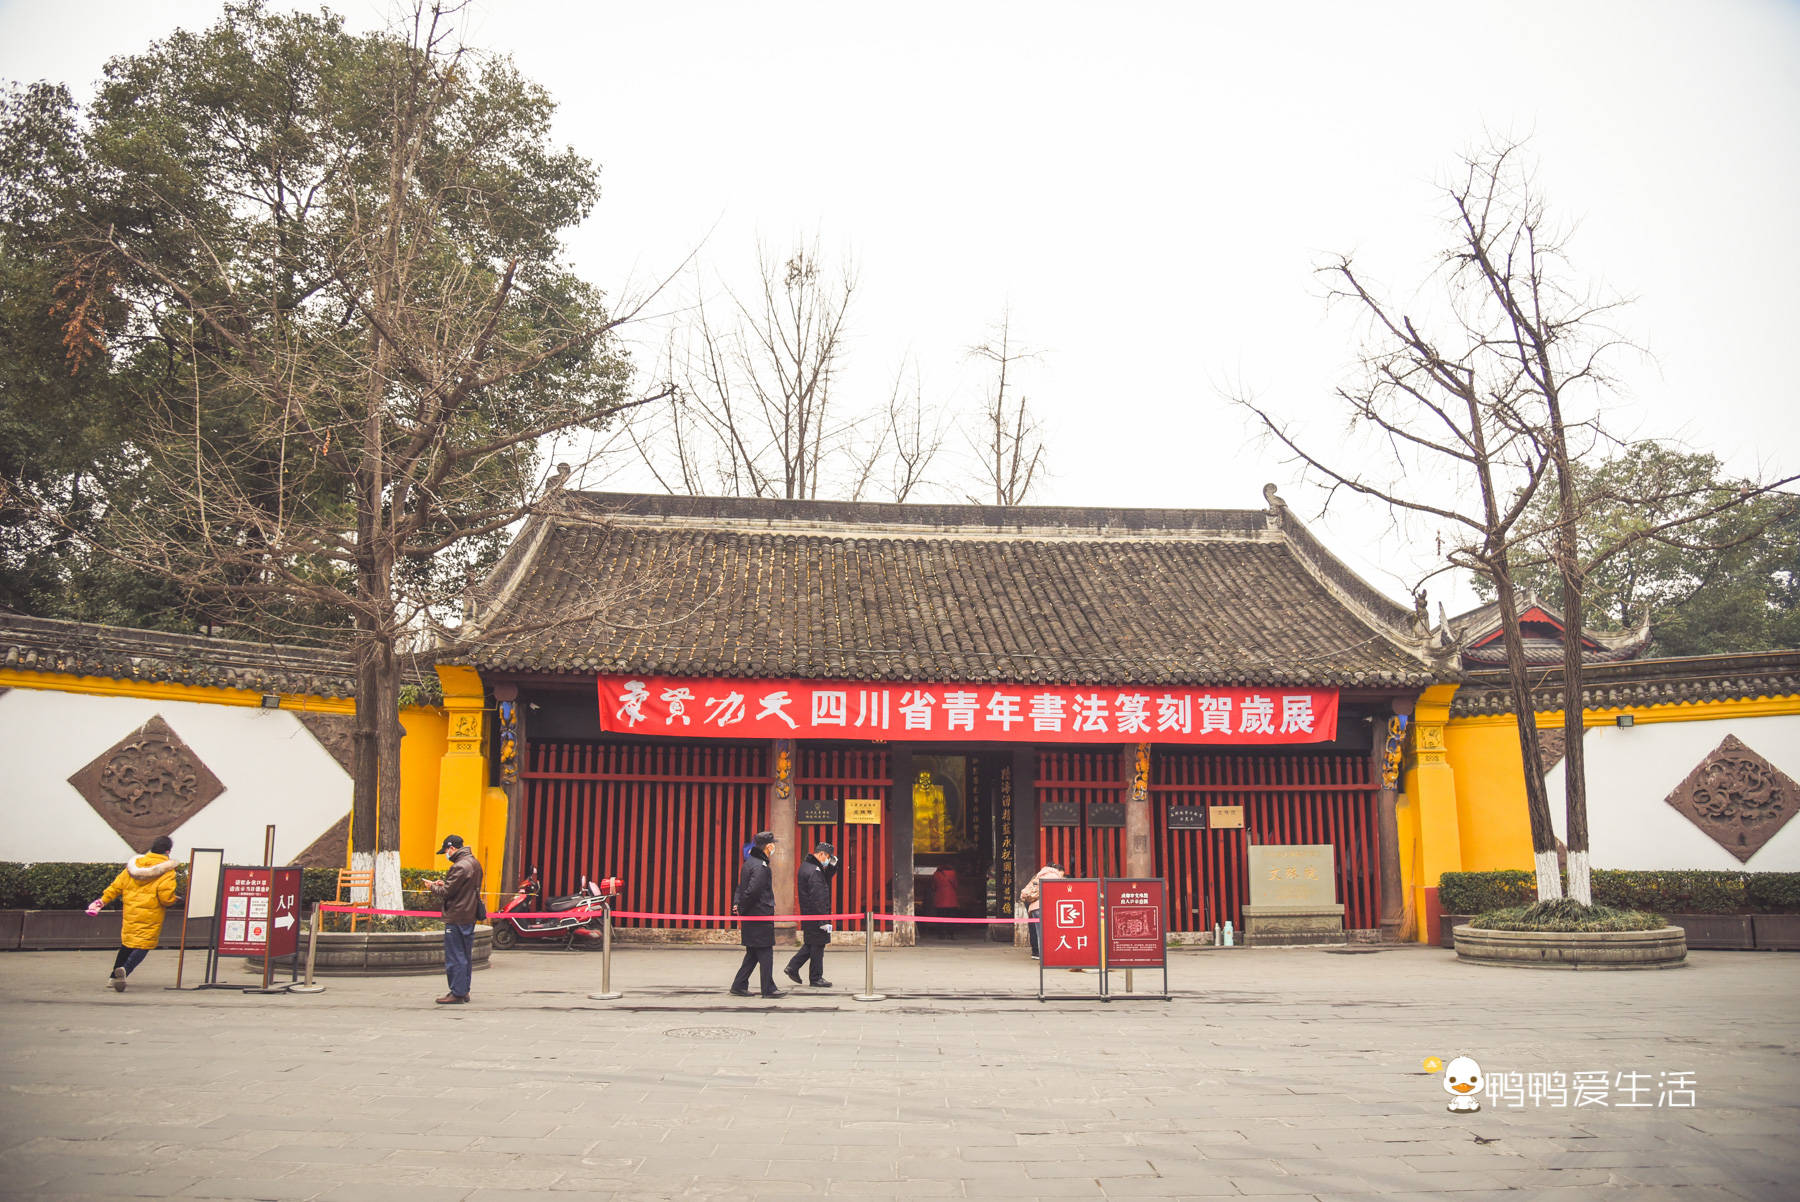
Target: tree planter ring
point(385, 953)
point(1665, 947)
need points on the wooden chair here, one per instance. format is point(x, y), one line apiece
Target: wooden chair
point(350, 879)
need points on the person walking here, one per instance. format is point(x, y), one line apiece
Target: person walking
point(816, 872)
point(1031, 898)
point(147, 885)
point(460, 890)
point(755, 899)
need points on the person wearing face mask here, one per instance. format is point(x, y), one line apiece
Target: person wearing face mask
point(814, 889)
point(755, 899)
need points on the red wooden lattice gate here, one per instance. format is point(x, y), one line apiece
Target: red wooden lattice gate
point(1311, 798)
point(840, 773)
point(670, 818)
point(1091, 778)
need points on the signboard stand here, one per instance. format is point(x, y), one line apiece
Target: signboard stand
point(257, 914)
point(202, 896)
point(1103, 924)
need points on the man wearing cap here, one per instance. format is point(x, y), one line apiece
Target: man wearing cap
point(460, 889)
point(816, 872)
point(755, 899)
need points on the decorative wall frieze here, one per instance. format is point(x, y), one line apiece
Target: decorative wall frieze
point(1645, 682)
point(147, 784)
point(1737, 797)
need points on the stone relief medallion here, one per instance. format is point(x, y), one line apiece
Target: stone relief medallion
point(1738, 798)
point(147, 784)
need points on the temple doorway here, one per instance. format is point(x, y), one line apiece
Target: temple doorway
point(962, 842)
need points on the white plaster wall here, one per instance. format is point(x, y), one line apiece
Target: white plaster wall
point(1632, 769)
point(272, 768)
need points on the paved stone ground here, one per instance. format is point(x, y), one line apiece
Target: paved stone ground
point(1285, 1073)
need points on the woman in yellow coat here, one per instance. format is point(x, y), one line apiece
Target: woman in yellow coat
point(148, 886)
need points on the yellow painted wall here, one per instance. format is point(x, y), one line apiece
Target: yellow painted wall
point(1491, 821)
point(421, 751)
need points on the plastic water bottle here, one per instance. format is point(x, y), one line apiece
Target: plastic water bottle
point(1228, 942)
point(1218, 935)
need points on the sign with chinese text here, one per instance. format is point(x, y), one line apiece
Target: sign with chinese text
point(1299, 874)
point(1071, 917)
point(818, 811)
point(730, 708)
point(1105, 814)
point(259, 911)
point(1059, 813)
point(862, 811)
point(1136, 923)
point(1225, 818)
point(1187, 818)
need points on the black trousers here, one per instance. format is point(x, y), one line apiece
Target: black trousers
point(756, 957)
point(815, 952)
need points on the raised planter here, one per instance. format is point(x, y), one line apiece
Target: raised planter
point(1776, 932)
point(384, 953)
point(1715, 932)
point(1447, 924)
point(1665, 947)
point(67, 930)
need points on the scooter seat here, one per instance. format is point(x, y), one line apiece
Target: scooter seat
point(564, 903)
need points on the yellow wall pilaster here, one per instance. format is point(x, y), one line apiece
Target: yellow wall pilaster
point(463, 771)
point(1431, 791)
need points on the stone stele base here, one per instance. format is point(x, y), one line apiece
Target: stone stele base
point(1293, 926)
point(1665, 947)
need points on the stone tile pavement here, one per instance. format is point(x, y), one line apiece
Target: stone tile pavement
point(1289, 1073)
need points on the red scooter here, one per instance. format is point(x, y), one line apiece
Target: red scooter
point(573, 920)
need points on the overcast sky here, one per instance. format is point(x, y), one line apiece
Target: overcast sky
point(1149, 188)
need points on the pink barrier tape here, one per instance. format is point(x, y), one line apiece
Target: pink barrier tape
point(345, 908)
point(933, 918)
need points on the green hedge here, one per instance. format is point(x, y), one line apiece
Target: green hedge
point(66, 886)
point(1659, 891)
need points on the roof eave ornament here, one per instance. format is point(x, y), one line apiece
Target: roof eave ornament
point(1277, 507)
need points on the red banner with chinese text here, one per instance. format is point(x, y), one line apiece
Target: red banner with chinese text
point(714, 708)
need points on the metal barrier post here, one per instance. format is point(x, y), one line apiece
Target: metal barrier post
point(868, 994)
point(607, 993)
point(312, 950)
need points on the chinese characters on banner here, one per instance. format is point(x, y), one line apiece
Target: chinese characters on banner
point(701, 707)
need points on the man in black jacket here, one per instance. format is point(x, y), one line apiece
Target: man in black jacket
point(460, 889)
point(755, 899)
point(816, 872)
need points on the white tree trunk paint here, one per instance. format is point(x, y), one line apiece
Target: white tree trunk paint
point(387, 881)
point(362, 861)
point(1549, 880)
point(1581, 887)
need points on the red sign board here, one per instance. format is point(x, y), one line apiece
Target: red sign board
point(259, 912)
point(728, 708)
point(1136, 924)
point(1071, 917)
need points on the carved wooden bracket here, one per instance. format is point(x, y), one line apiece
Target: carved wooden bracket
point(1737, 797)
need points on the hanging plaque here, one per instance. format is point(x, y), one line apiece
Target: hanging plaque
point(1187, 818)
point(1105, 814)
point(862, 811)
point(1059, 813)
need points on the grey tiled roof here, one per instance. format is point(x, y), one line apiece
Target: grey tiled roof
point(822, 590)
point(1674, 681)
point(119, 653)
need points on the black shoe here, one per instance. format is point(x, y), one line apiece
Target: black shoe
point(820, 984)
point(791, 974)
point(740, 993)
point(777, 993)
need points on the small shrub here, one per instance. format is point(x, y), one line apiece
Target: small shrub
point(1673, 891)
point(1565, 915)
point(1477, 892)
point(1774, 892)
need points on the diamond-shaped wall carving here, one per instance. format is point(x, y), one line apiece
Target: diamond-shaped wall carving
point(1737, 797)
point(147, 784)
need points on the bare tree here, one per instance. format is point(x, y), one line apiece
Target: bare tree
point(1006, 440)
point(909, 435)
point(1470, 401)
point(757, 415)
